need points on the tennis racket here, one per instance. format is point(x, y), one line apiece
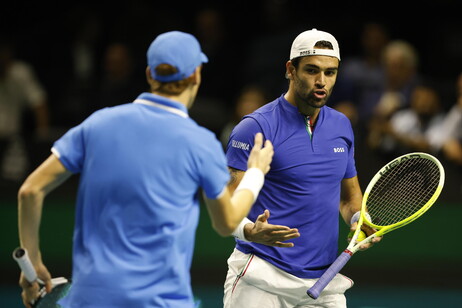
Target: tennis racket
point(61, 285)
point(398, 194)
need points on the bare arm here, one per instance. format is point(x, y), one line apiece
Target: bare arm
point(50, 174)
point(236, 177)
point(350, 198)
point(44, 179)
point(228, 210)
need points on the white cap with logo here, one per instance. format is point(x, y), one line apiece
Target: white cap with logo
point(304, 43)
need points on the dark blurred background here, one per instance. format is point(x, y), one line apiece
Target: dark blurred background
point(74, 58)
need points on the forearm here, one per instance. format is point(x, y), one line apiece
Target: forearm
point(228, 211)
point(347, 210)
point(30, 203)
point(246, 193)
point(230, 208)
point(235, 178)
point(350, 199)
point(31, 195)
point(242, 202)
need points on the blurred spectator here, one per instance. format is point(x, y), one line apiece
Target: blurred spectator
point(449, 139)
point(412, 128)
point(387, 87)
point(119, 85)
point(401, 76)
point(359, 76)
point(250, 99)
point(20, 93)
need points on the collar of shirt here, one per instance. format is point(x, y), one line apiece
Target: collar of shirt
point(163, 103)
point(294, 110)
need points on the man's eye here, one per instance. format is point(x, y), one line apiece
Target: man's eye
point(330, 73)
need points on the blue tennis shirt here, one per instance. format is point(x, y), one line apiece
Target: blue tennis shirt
point(141, 167)
point(302, 189)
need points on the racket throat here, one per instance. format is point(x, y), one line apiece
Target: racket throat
point(348, 252)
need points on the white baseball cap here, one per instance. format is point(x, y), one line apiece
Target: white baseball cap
point(303, 45)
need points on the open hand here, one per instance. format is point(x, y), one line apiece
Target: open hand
point(265, 233)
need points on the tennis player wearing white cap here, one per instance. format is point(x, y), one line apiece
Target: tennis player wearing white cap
point(312, 178)
point(141, 165)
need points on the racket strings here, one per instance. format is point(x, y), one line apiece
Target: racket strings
point(407, 200)
point(402, 190)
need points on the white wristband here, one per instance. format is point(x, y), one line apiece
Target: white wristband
point(356, 215)
point(252, 180)
point(239, 231)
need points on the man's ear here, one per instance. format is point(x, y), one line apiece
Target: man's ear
point(149, 78)
point(148, 74)
point(290, 70)
point(196, 76)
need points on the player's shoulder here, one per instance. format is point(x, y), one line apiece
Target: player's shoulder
point(200, 131)
point(268, 109)
point(336, 116)
point(110, 112)
point(268, 113)
point(193, 135)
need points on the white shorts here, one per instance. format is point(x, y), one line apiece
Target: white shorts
point(254, 283)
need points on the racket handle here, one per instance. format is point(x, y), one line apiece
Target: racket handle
point(21, 256)
point(333, 270)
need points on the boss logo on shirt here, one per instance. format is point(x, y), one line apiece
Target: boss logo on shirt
point(339, 150)
point(240, 145)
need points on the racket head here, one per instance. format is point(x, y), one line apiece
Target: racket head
point(402, 191)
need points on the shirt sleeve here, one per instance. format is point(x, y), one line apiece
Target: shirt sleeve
point(351, 166)
point(70, 149)
point(214, 174)
point(241, 142)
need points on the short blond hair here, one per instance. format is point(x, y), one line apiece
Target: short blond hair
point(171, 87)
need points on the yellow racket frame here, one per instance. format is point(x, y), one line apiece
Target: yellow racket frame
point(381, 230)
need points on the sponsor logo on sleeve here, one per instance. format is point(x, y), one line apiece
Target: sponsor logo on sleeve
point(240, 145)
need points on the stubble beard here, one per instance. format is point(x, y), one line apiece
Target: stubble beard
point(306, 101)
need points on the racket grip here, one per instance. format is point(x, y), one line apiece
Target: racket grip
point(333, 270)
point(21, 256)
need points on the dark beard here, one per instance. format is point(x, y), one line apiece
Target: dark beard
point(310, 101)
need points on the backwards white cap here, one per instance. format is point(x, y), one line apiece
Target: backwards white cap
point(303, 45)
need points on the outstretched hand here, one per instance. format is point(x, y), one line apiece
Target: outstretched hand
point(265, 233)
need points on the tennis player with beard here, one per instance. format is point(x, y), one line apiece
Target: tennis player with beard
point(312, 178)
